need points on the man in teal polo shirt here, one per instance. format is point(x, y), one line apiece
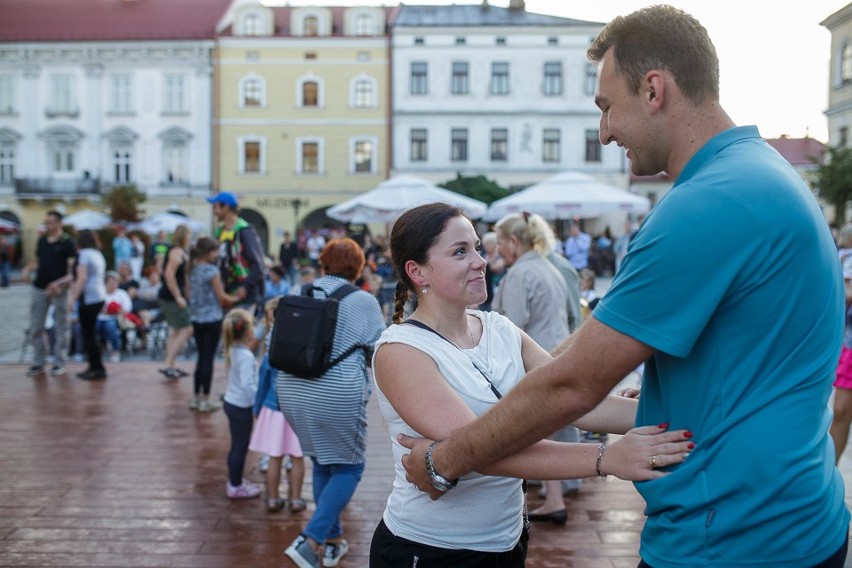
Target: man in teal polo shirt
point(731, 293)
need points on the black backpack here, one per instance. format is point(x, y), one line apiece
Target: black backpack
point(303, 334)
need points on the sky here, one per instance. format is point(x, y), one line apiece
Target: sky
point(774, 56)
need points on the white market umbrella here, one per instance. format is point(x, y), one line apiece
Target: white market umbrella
point(87, 219)
point(7, 226)
point(386, 201)
point(568, 195)
point(168, 222)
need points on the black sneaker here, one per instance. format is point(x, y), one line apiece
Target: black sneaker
point(35, 371)
point(92, 375)
point(57, 370)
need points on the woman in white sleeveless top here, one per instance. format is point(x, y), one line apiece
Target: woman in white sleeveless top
point(447, 366)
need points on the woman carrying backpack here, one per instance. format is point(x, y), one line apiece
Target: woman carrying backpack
point(329, 414)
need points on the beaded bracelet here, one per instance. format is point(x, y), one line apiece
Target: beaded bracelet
point(601, 449)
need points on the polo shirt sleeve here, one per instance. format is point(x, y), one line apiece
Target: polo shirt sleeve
point(684, 261)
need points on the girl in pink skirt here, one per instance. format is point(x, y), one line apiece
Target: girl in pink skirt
point(274, 437)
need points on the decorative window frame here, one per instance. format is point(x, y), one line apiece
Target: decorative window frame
point(374, 167)
point(300, 103)
point(261, 27)
point(320, 142)
point(353, 91)
point(300, 15)
point(242, 90)
point(241, 154)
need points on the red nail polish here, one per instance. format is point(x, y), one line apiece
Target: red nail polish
point(687, 434)
point(664, 425)
point(690, 445)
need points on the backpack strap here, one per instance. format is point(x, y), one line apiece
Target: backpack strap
point(338, 295)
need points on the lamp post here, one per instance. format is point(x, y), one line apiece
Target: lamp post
point(296, 204)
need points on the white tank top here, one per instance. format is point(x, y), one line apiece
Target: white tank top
point(482, 513)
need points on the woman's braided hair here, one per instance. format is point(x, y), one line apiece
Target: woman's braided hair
point(412, 235)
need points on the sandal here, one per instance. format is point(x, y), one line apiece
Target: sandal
point(298, 505)
point(275, 505)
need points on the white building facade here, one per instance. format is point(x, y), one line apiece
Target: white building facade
point(498, 92)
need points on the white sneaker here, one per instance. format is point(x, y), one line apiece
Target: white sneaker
point(333, 552)
point(115, 357)
point(245, 490)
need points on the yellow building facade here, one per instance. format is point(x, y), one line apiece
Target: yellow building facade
point(301, 103)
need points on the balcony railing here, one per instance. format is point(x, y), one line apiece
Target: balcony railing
point(53, 186)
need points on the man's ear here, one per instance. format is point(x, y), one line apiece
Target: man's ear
point(653, 90)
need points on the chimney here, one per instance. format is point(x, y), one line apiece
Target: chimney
point(517, 5)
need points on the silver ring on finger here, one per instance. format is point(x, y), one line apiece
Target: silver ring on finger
point(652, 461)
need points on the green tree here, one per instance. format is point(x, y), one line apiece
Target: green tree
point(477, 187)
point(123, 202)
point(834, 180)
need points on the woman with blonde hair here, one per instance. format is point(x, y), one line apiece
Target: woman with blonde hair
point(173, 298)
point(532, 294)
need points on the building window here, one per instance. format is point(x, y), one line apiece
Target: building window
point(846, 63)
point(174, 161)
point(119, 96)
point(363, 154)
point(251, 157)
point(843, 134)
point(310, 25)
point(500, 78)
point(461, 40)
point(552, 40)
point(175, 93)
point(499, 144)
point(62, 160)
point(593, 146)
point(7, 165)
point(419, 145)
point(252, 24)
point(310, 94)
point(591, 80)
point(419, 78)
point(500, 40)
point(252, 92)
point(364, 93)
point(309, 157)
point(552, 78)
point(551, 145)
point(7, 94)
point(121, 160)
point(458, 145)
point(365, 25)
point(459, 80)
point(62, 94)
point(419, 41)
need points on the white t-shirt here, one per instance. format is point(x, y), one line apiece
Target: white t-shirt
point(482, 513)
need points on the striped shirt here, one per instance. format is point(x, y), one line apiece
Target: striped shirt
point(329, 414)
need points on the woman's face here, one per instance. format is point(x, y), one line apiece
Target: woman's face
point(507, 246)
point(455, 269)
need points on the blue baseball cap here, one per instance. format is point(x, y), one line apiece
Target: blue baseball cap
point(225, 198)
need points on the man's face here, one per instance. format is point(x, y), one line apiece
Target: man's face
point(52, 224)
point(219, 211)
point(623, 118)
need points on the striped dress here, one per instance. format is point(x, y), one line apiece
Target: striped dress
point(329, 414)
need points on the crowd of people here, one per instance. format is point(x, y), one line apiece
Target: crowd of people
point(500, 347)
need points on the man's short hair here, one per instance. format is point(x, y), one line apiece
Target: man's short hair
point(666, 38)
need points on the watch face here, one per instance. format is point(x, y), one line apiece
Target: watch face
point(440, 486)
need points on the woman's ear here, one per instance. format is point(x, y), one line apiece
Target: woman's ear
point(415, 273)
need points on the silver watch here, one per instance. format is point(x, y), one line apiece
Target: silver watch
point(438, 481)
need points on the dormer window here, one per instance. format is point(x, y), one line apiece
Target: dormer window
point(365, 25)
point(252, 24)
point(311, 26)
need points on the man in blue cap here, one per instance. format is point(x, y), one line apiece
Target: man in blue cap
point(240, 252)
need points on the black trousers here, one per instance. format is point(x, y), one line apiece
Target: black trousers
point(240, 421)
point(207, 340)
point(88, 314)
point(836, 560)
point(390, 551)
